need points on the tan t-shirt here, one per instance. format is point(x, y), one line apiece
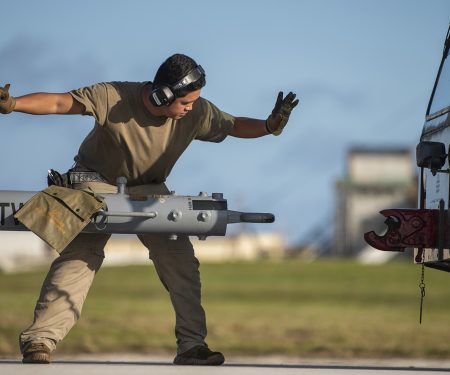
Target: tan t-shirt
point(127, 140)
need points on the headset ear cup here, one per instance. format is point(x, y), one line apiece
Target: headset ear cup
point(169, 95)
point(162, 95)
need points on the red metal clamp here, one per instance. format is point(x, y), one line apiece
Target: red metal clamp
point(406, 228)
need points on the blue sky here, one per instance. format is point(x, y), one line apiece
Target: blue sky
point(363, 71)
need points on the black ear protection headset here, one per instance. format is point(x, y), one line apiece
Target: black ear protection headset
point(163, 94)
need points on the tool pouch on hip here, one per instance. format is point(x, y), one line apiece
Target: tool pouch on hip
point(58, 214)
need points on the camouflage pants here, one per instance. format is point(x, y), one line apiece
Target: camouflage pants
point(72, 273)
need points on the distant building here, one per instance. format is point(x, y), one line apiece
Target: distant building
point(123, 249)
point(23, 251)
point(376, 179)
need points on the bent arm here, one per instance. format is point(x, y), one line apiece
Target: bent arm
point(47, 103)
point(245, 127)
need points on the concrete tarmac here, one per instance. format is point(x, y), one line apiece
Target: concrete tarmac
point(125, 365)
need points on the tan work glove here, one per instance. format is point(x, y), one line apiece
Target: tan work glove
point(280, 113)
point(7, 102)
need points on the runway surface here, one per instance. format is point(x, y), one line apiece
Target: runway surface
point(243, 366)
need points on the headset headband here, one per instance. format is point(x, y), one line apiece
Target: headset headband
point(194, 75)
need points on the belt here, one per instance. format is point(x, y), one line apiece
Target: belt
point(73, 176)
point(79, 177)
point(79, 174)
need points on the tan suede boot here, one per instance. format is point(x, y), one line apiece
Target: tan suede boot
point(36, 353)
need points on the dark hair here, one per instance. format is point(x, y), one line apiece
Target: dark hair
point(174, 69)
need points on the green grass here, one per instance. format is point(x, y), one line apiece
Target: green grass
point(321, 309)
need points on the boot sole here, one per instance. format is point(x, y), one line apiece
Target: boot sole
point(214, 360)
point(37, 358)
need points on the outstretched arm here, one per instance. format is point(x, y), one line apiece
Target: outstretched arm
point(39, 103)
point(252, 128)
point(245, 127)
point(45, 103)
